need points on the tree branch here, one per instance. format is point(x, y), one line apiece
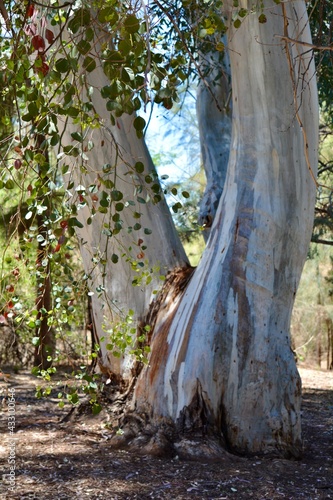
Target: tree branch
point(322, 242)
point(4, 14)
point(305, 44)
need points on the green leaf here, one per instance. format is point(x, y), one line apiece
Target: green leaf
point(35, 371)
point(62, 65)
point(108, 15)
point(35, 341)
point(9, 184)
point(107, 168)
point(74, 398)
point(119, 207)
point(237, 23)
point(81, 18)
point(125, 46)
point(89, 64)
point(54, 139)
point(104, 202)
point(33, 109)
point(128, 75)
point(139, 123)
point(77, 136)
point(176, 207)
point(114, 57)
point(71, 151)
point(73, 222)
point(89, 34)
point(116, 195)
point(108, 183)
point(27, 117)
point(114, 258)
point(96, 408)
point(131, 24)
point(83, 47)
point(139, 167)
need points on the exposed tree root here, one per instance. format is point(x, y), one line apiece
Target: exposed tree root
point(189, 438)
point(166, 441)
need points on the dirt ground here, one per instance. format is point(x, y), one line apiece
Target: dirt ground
point(74, 459)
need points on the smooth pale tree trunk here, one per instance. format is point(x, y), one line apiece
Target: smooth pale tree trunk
point(224, 368)
point(121, 286)
point(214, 121)
point(112, 283)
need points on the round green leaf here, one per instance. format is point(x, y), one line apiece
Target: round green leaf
point(9, 184)
point(89, 64)
point(114, 258)
point(83, 47)
point(139, 167)
point(62, 65)
point(116, 195)
point(131, 24)
point(139, 123)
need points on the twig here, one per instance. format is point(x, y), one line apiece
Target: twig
point(305, 44)
point(323, 242)
point(4, 14)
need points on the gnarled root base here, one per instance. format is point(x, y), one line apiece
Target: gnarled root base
point(165, 440)
point(190, 437)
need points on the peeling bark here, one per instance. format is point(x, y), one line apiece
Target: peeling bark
point(230, 335)
point(221, 372)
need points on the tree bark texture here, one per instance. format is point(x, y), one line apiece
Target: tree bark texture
point(46, 349)
point(224, 365)
point(214, 121)
point(155, 245)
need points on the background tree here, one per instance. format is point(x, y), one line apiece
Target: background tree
point(321, 26)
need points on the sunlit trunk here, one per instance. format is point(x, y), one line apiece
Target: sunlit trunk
point(214, 121)
point(128, 241)
point(224, 367)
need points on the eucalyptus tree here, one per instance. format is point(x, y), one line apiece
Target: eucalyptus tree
point(321, 27)
point(214, 369)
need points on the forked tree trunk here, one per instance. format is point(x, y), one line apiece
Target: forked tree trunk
point(221, 362)
point(225, 366)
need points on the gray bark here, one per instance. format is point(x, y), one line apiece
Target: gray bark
point(229, 366)
point(214, 120)
point(155, 245)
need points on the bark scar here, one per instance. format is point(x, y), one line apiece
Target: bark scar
point(236, 230)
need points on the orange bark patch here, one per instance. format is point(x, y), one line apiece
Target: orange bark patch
point(161, 314)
